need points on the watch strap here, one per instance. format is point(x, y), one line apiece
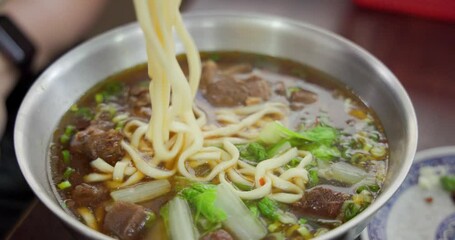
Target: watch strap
point(15, 45)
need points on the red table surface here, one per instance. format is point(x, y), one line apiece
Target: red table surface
point(420, 52)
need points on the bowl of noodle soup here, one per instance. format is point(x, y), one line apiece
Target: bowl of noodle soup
point(177, 138)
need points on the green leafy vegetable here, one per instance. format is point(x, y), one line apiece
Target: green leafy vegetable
point(324, 152)
point(253, 151)
point(268, 208)
point(164, 213)
point(202, 197)
point(278, 148)
point(318, 140)
point(293, 163)
point(303, 221)
point(448, 183)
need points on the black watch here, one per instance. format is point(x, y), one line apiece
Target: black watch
point(15, 46)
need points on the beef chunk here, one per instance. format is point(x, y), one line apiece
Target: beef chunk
point(257, 87)
point(223, 89)
point(226, 92)
point(125, 220)
point(321, 202)
point(219, 234)
point(89, 195)
point(94, 143)
point(303, 96)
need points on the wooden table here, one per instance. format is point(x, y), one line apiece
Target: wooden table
point(420, 52)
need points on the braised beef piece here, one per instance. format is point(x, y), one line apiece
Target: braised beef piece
point(94, 142)
point(320, 202)
point(226, 92)
point(219, 234)
point(89, 195)
point(303, 96)
point(257, 87)
point(125, 220)
point(223, 89)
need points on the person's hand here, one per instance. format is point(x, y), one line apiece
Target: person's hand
point(8, 76)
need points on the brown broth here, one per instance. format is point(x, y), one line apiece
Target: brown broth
point(332, 103)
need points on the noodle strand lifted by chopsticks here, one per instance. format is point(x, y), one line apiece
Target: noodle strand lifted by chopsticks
point(174, 142)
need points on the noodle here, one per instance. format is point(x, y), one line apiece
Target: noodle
point(177, 139)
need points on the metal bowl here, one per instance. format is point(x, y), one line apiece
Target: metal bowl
point(80, 69)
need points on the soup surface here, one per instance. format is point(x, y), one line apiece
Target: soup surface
point(342, 158)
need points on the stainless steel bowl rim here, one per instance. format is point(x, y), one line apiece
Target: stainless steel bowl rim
point(94, 43)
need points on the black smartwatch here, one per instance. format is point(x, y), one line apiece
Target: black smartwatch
point(15, 46)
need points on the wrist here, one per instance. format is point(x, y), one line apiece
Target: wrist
point(8, 77)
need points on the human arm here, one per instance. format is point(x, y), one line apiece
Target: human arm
point(52, 26)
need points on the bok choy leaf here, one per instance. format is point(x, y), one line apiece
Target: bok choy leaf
point(240, 221)
point(180, 221)
point(202, 197)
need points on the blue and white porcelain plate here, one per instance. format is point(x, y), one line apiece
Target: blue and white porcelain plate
point(414, 212)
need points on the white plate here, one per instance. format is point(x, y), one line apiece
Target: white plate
point(408, 214)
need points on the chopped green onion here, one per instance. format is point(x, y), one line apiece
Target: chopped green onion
point(66, 156)
point(371, 188)
point(74, 108)
point(304, 232)
point(215, 57)
point(85, 113)
point(313, 177)
point(119, 126)
point(64, 139)
point(150, 219)
point(274, 227)
point(64, 185)
point(99, 98)
point(69, 130)
point(68, 172)
point(378, 151)
point(292, 90)
point(350, 210)
point(448, 183)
